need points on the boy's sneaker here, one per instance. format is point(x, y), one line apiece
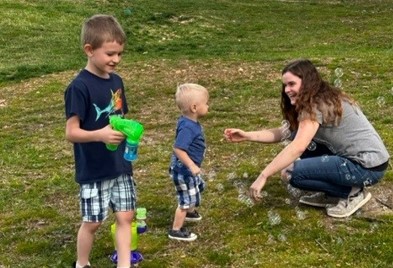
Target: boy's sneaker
point(183, 235)
point(346, 207)
point(193, 216)
point(318, 200)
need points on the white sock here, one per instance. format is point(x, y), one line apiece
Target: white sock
point(80, 266)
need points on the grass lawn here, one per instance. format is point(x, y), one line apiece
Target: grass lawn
point(237, 50)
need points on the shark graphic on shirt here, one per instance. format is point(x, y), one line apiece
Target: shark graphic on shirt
point(115, 104)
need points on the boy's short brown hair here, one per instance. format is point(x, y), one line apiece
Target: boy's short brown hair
point(102, 28)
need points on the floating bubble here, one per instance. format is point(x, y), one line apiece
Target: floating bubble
point(231, 176)
point(274, 217)
point(347, 177)
point(381, 101)
point(374, 227)
point(238, 184)
point(339, 241)
point(264, 194)
point(312, 146)
point(287, 201)
point(294, 192)
point(220, 187)
point(285, 142)
point(211, 175)
point(246, 200)
point(285, 123)
point(127, 11)
point(282, 237)
point(338, 83)
point(301, 215)
point(245, 175)
point(285, 132)
point(338, 72)
point(270, 239)
point(325, 158)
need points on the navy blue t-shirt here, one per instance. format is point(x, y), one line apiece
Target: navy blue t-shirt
point(190, 138)
point(93, 99)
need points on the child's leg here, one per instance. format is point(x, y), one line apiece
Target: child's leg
point(94, 209)
point(123, 202)
point(85, 241)
point(123, 237)
point(180, 216)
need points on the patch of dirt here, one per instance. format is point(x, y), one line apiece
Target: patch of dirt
point(381, 202)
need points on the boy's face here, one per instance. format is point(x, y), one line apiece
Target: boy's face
point(202, 106)
point(103, 60)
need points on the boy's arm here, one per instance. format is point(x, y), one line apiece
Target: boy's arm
point(106, 135)
point(187, 161)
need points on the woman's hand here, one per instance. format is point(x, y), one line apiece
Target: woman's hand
point(235, 135)
point(256, 187)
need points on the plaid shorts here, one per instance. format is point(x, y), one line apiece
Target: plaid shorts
point(189, 189)
point(96, 198)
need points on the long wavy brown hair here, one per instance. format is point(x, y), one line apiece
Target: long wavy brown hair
point(315, 94)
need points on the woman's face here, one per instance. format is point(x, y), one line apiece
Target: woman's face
point(292, 85)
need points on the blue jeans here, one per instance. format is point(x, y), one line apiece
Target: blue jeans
point(331, 174)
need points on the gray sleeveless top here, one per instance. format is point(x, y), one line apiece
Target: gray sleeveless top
point(354, 138)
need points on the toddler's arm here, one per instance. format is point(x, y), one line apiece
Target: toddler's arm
point(187, 161)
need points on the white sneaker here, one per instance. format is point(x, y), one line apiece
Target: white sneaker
point(346, 207)
point(318, 200)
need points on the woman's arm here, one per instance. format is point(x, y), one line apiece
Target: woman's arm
point(306, 131)
point(273, 135)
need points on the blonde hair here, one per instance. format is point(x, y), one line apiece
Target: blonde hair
point(102, 28)
point(188, 93)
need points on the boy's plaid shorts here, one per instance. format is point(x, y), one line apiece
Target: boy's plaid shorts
point(188, 188)
point(96, 198)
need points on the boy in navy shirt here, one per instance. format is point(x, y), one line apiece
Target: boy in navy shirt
point(187, 157)
point(105, 178)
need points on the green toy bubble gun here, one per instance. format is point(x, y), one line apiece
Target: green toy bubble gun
point(133, 131)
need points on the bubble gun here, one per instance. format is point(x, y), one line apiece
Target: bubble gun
point(133, 131)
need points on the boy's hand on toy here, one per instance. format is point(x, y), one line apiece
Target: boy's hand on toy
point(110, 136)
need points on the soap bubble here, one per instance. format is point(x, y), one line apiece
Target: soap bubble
point(285, 132)
point(301, 215)
point(282, 237)
point(325, 158)
point(274, 217)
point(220, 187)
point(231, 176)
point(338, 72)
point(270, 239)
point(338, 83)
point(245, 199)
point(312, 146)
point(381, 101)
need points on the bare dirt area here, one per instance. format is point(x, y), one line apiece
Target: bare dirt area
point(381, 202)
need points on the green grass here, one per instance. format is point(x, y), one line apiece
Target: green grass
point(237, 50)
